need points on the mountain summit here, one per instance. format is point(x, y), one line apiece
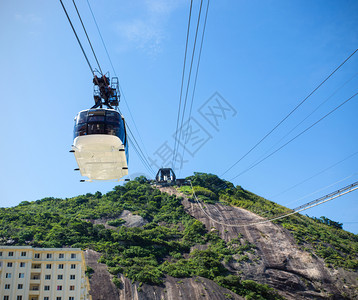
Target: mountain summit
point(203, 241)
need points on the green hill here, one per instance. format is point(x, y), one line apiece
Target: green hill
point(171, 242)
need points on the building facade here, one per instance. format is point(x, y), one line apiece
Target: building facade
point(28, 273)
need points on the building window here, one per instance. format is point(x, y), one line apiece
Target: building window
point(23, 253)
point(73, 255)
point(59, 277)
point(58, 298)
point(61, 255)
point(60, 266)
point(72, 277)
point(11, 253)
point(19, 298)
point(8, 275)
point(21, 275)
point(73, 266)
point(22, 265)
point(72, 287)
point(7, 286)
point(1, 255)
point(9, 264)
point(48, 266)
point(59, 287)
point(20, 286)
point(47, 277)
point(71, 298)
point(47, 298)
point(49, 255)
point(46, 287)
point(6, 297)
point(37, 255)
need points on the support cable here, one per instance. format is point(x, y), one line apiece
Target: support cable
point(182, 84)
point(196, 78)
point(315, 175)
point(291, 140)
point(319, 190)
point(114, 72)
point(88, 39)
point(291, 112)
point(137, 148)
point(288, 133)
point(348, 189)
point(78, 40)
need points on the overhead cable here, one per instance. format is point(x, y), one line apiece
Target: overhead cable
point(288, 133)
point(348, 189)
point(182, 84)
point(196, 77)
point(78, 40)
point(88, 39)
point(291, 140)
point(315, 175)
point(139, 151)
point(290, 113)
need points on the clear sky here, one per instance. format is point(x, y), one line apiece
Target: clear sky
point(259, 60)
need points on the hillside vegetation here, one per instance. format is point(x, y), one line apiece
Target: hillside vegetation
point(172, 242)
point(321, 236)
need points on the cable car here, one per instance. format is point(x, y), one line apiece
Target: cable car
point(165, 175)
point(100, 141)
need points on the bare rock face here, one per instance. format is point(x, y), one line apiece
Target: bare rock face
point(132, 220)
point(278, 261)
point(197, 288)
point(102, 288)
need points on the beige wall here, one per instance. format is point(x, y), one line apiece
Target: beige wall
point(28, 273)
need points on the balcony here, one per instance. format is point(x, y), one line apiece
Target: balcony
point(36, 266)
point(35, 276)
point(34, 287)
point(35, 279)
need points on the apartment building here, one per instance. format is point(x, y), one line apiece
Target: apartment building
point(28, 273)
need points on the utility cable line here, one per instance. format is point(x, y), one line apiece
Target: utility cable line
point(313, 176)
point(343, 191)
point(141, 152)
point(290, 113)
point(143, 157)
point(114, 72)
point(182, 84)
point(320, 105)
point(190, 69)
point(139, 155)
point(196, 77)
point(291, 140)
point(78, 40)
point(138, 150)
point(88, 39)
point(321, 189)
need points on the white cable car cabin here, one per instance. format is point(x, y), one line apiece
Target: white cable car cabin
point(100, 144)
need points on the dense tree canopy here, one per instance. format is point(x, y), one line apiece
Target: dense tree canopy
point(163, 245)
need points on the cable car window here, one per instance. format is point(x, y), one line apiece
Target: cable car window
point(95, 129)
point(82, 117)
point(96, 112)
point(80, 130)
point(112, 129)
point(95, 118)
point(112, 117)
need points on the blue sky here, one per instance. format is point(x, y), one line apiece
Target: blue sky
point(261, 57)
